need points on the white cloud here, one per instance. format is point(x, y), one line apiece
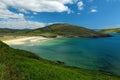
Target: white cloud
point(9, 19)
point(93, 10)
point(20, 24)
point(80, 5)
point(6, 14)
point(39, 5)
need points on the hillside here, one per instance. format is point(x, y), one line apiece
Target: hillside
point(113, 30)
point(66, 30)
point(22, 65)
point(55, 30)
point(7, 31)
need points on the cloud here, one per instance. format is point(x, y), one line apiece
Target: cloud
point(6, 14)
point(93, 10)
point(21, 24)
point(39, 5)
point(10, 19)
point(80, 5)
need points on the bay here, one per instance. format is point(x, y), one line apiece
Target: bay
point(102, 54)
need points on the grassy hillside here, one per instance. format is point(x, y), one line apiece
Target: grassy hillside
point(66, 30)
point(114, 30)
point(22, 65)
point(7, 31)
point(55, 30)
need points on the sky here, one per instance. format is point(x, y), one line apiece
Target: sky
point(93, 14)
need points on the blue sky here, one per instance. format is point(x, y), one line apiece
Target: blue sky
point(93, 14)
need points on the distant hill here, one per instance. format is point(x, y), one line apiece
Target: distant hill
point(56, 30)
point(7, 30)
point(113, 30)
point(66, 30)
point(22, 65)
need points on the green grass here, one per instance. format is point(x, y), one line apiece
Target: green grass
point(114, 30)
point(2, 70)
point(22, 65)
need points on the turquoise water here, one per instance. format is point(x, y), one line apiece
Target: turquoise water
point(101, 54)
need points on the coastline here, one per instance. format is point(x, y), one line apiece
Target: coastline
point(22, 40)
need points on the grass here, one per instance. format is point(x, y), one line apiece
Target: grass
point(114, 30)
point(2, 69)
point(22, 65)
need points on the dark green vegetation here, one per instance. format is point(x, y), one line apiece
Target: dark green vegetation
point(6, 30)
point(66, 30)
point(10, 32)
point(60, 30)
point(114, 30)
point(22, 65)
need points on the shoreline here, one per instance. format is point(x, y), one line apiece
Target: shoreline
point(22, 40)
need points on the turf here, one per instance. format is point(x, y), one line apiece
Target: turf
point(22, 65)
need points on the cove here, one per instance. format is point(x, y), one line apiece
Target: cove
point(102, 54)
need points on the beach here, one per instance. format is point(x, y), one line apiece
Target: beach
point(22, 40)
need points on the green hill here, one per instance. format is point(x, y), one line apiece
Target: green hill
point(7, 31)
point(113, 30)
point(22, 65)
point(66, 30)
point(56, 30)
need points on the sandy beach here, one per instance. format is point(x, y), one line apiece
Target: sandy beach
point(22, 40)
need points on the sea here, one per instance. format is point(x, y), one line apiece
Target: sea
point(101, 54)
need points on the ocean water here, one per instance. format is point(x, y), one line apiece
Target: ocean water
point(101, 54)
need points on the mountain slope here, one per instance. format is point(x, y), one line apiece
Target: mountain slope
point(22, 65)
point(55, 30)
point(67, 30)
point(113, 30)
point(7, 31)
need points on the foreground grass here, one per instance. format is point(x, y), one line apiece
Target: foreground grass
point(22, 65)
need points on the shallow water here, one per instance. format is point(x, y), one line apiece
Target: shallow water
point(96, 54)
